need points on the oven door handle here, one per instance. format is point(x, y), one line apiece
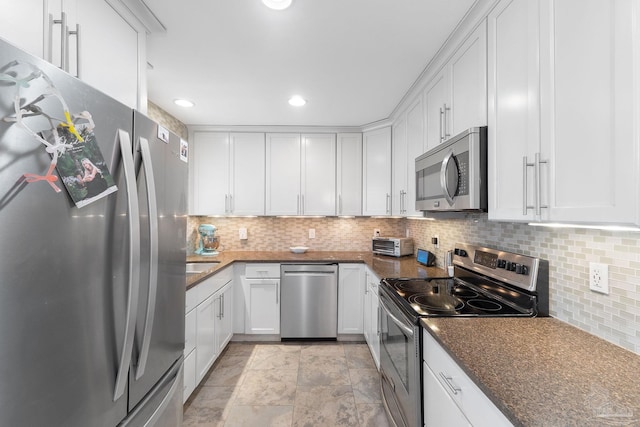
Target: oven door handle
point(397, 321)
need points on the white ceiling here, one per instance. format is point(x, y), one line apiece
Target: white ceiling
point(353, 60)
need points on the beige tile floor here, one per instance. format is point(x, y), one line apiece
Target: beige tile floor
point(302, 385)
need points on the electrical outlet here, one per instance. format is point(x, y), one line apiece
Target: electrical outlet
point(599, 277)
point(312, 233)
point(376, 232)
point(242, 233)
point(435, 240)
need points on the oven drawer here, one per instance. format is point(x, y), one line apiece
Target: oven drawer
point(473, 403)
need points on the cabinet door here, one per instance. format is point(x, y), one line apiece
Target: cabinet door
point(246, 192)
point(223, 302)
point(436, 107)
point(189, 376)
point(514, 122)
point(283, 174)
point(263, 306)
point(23, 24)
point(318, 178)
point(439, 408)
point(210, 163)
point(107, 52)
point(468, 69)
point(366, 311)
point(190, 331)
point(415, 148)
point(349, 174)
point(351, 285)
point(399, 169)
point(375, 337)
point(205, 342)
point(376, 172)
point(589, 110)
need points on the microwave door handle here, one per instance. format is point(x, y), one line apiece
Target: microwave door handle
point(443, 177)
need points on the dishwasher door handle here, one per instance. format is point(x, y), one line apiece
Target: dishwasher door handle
point(309, 273)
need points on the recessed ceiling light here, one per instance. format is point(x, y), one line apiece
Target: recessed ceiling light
point(183, 103)
point(297, 101)
point(277, 4)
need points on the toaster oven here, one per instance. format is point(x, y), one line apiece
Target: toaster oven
point(392, 246)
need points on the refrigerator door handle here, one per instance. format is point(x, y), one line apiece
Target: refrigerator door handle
point(123, 140)
point(153, 256)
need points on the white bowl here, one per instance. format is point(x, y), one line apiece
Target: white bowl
point(298, 249)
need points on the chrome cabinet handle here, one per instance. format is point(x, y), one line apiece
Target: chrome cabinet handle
point(539, 205)
point(448, 380)
point(63, 37)
point(75, 33)
point(126, 152)
point(145, 150)
point(388, 204)
point(277, 292)
point(231, 207)
point(302, 204)
point(446, 109)
point(525, 186)
point(441, 121)
point(222, 304)
point(339, 204)
point(226, 203)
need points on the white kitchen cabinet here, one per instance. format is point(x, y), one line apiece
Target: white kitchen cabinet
point(376, 172)
point(205, 337)
point(590, 115)
point(96, 43)
point(456, 97)
point(207, 329)
point(546, 164)
point(371, 327)
point(455, 397)
point(301, 174)
point(228, 173)
point(189, 384)
point(408, 143)
point(261, 286)
point(351, 288)
point(349, 174)
point(514, 108)
point(23, 24)
point(439, 407)
point(223, 317)
point(399, 165)
point(437, 106)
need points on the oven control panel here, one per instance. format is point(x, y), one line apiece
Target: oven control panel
point(515, 269)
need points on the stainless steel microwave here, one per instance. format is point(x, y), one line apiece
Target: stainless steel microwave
point(453, 175)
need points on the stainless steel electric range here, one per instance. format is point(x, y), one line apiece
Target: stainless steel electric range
point(486, 282)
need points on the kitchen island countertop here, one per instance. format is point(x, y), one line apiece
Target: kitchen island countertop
point(544, 372)
point(382, 266)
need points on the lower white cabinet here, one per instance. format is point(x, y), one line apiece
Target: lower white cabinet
point(205, 337)
point(371, 304)
point(261, 286)
point(450, 397)
point(208, 326)
point(351, 288)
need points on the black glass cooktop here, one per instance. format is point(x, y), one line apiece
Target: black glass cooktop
point(451, 297)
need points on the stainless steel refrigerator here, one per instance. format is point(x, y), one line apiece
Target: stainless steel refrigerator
point(91, 298)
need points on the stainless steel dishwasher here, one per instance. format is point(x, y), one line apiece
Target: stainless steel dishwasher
point(309, 301)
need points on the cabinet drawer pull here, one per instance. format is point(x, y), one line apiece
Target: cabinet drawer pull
point(448, 380)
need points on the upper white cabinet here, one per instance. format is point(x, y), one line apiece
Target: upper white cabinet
point(87, 38)
point(301, 174)
point(228, 173)
point(23, 23)
point(400, 163)
point(376, 172)
point(408, 143)
point(590, 115)
point(349, 174)
point(561, 133)
point(455, 99)
point(514, 108)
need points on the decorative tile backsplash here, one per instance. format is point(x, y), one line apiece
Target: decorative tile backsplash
point(614, 317)
point(165, 119)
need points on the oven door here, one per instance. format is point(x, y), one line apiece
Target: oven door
point(400, 364)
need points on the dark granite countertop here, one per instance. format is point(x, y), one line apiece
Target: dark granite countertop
point(544, 372)
point(382, 266)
